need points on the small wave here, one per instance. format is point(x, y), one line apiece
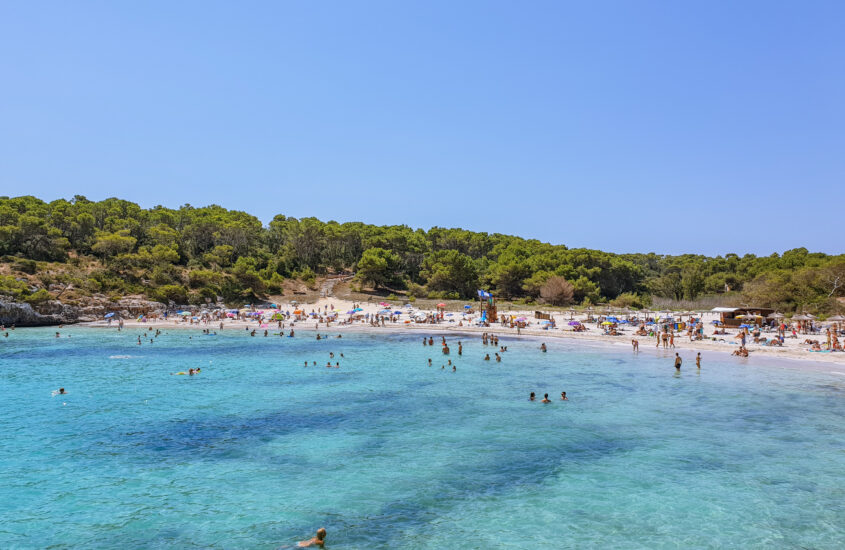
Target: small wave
point(120, 357)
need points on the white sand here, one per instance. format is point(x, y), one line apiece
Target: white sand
point(793, 348)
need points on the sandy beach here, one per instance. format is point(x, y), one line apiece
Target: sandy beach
point(793, 349)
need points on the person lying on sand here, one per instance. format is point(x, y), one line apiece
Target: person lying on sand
point(318, 540)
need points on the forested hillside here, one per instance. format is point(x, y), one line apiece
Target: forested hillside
point(77, 247)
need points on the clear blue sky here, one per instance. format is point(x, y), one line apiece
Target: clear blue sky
point(629, 126)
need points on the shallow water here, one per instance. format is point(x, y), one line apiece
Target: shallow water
point(257, 451)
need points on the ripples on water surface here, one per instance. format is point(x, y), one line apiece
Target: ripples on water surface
point(257, 451)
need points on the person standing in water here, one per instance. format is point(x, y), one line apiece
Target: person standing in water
point(546, 399)
point(698, 361)
point(531, 397)
point(678, 362)
point(563, 396)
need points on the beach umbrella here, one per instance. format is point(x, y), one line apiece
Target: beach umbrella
point(357, 309)
point(800, 318)
point(351, 312)
point(607, 323)
point(836, 318)
point(574, 323)
point(467, 306)
point(108, 315)
point(776, 315)
point(521, 319)
point(397, 312)
point(441, 305)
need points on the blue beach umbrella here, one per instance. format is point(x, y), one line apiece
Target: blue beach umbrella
point(108, 315)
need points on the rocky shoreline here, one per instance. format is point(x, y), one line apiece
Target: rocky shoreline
point(54, 312)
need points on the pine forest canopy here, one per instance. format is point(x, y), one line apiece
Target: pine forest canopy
point(190, 254)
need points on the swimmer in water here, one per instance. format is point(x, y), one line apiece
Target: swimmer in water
point(460, 348)
point(429, 361)
point(306, 363)
point(498, 358)
point(531, 397)
point(331, 354)
point(546, 399)
point(698, 361)
point(487, 357)
point(318, 540)
point(454, 369)
point(543, 347)
point(62, 391)
point(329, 365)
point(563, 396)
point(678, 362)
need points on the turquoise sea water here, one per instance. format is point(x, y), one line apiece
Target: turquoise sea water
point(258, 452)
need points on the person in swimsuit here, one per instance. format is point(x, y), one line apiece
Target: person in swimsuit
point(546, 399)
point(531, 397)
point(678, 362)
point(563, 396)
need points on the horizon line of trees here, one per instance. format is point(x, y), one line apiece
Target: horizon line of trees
point(193, 253)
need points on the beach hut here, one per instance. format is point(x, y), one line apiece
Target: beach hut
point(735, 316)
